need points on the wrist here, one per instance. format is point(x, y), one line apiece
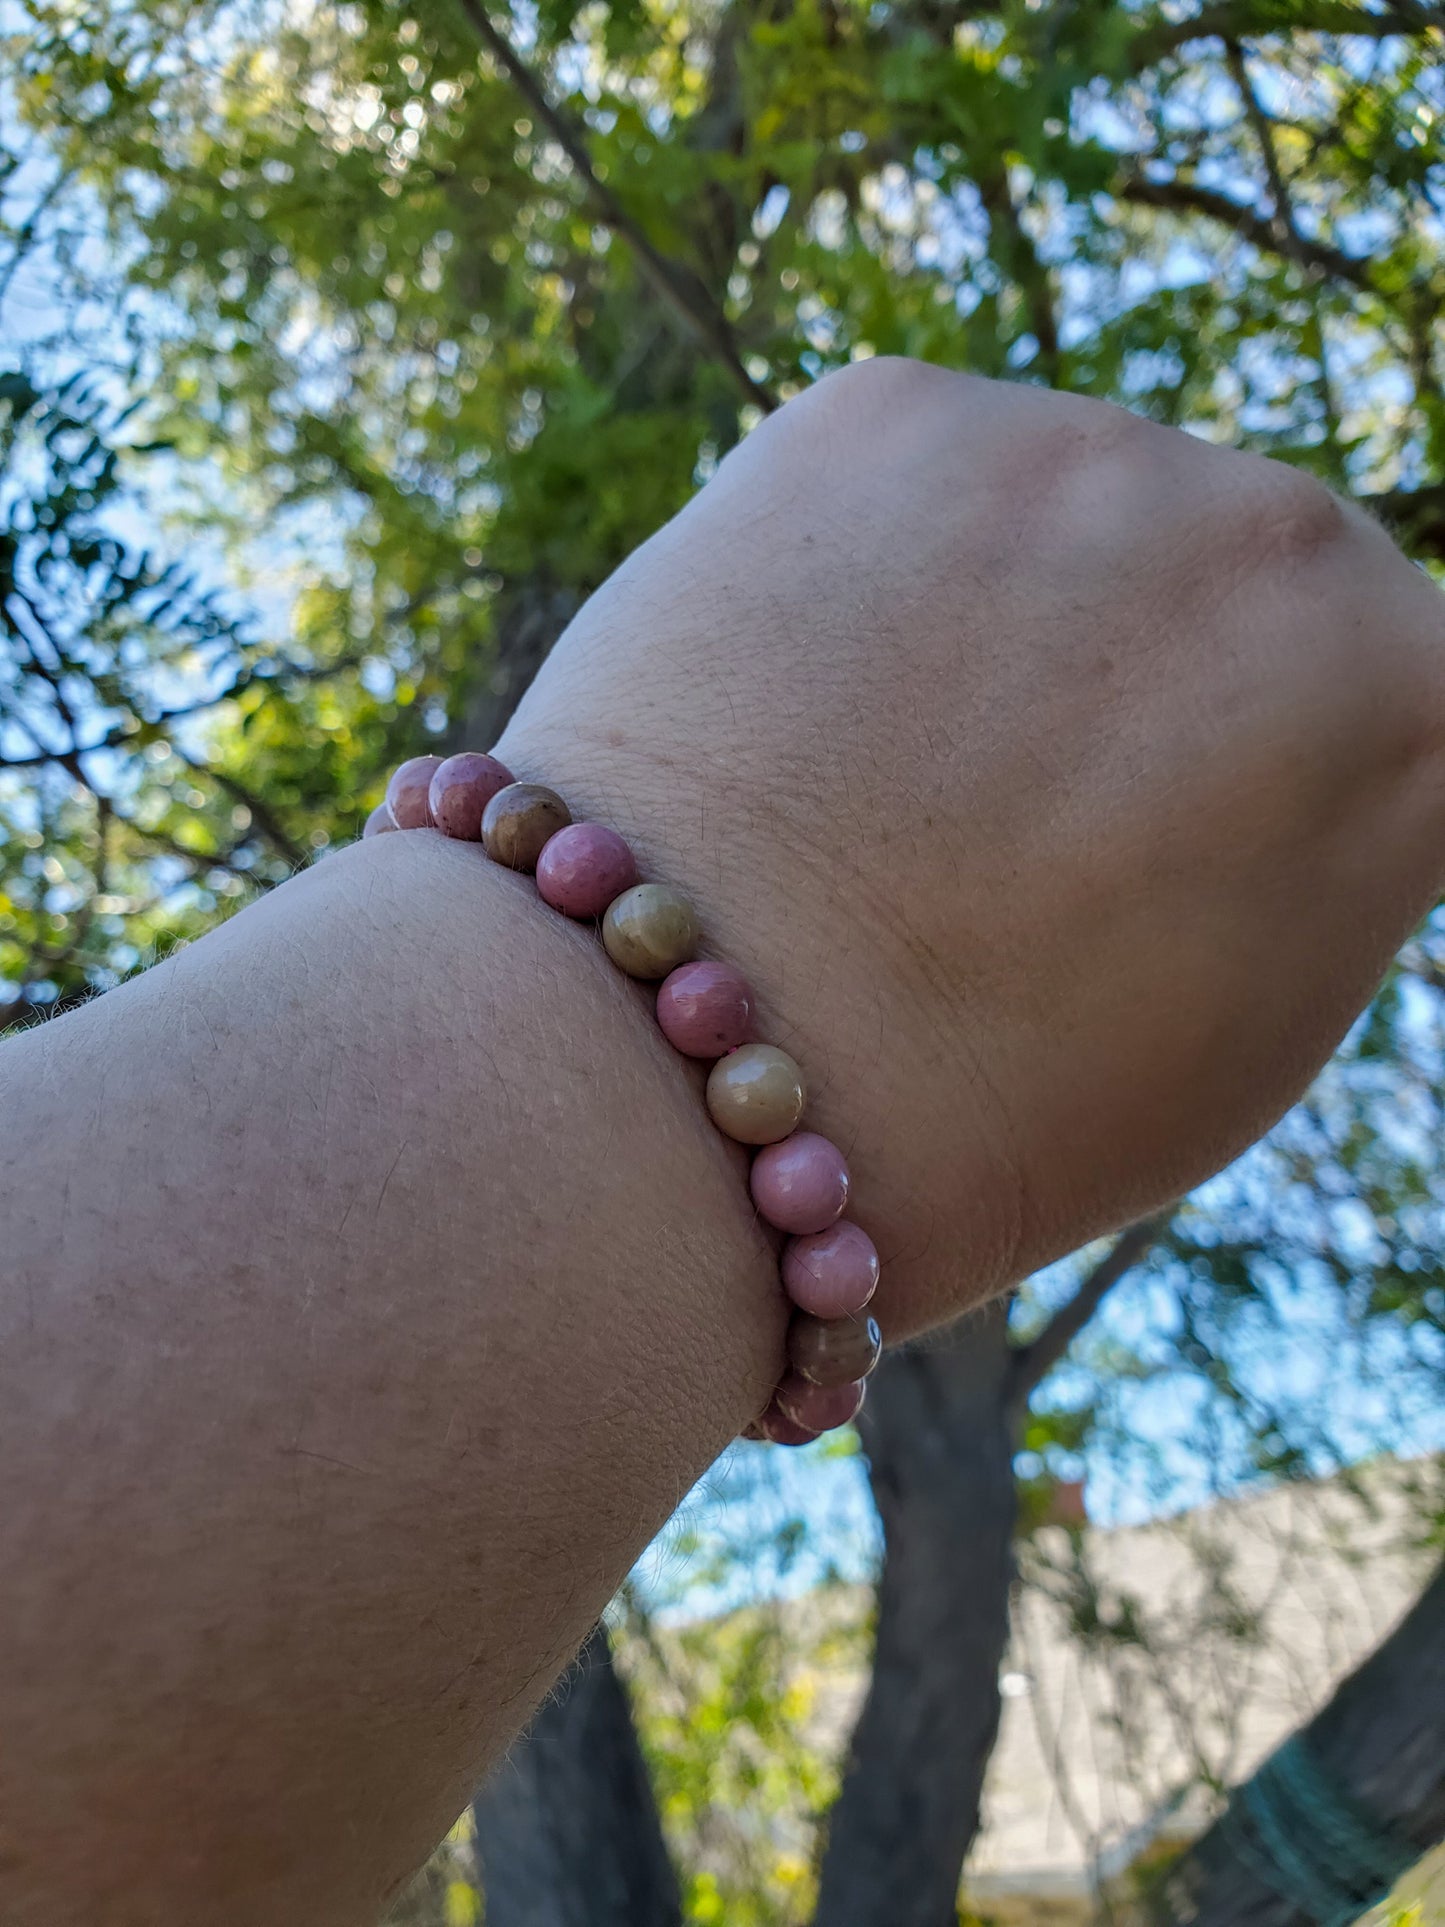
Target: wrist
point(756, 1092)
point(846, 990)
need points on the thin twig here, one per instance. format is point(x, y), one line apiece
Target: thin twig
point(259, 808)
point(135, 723)
point(1035, 1360)
point(20, 240)
point(1291, 241)
point(1286, 222)
point(1188, 197)
point(1027, 268)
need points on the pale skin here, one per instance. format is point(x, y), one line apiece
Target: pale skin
point(373, 1281)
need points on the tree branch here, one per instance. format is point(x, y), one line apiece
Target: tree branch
point(1289, 239)
point(261, 811)
point(112, 739)
point(1378, 1745)
point(1188, 197)
point(681, 291)
point(1033, 1361)
point(19, 241)
point(1021, 259)
point(198, 860)
point(135, 723)
point(1253, 19)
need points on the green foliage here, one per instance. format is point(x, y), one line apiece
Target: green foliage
point(736, 1717)
point(95, 634)
point(160, 762)
point(443, 1893)
point(372, 312)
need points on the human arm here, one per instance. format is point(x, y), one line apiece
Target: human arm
point(374, 1284)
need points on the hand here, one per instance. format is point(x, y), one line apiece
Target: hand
point(1064, 784)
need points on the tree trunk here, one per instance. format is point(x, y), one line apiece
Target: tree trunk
point(938, 1432)
point(567, 1829)
point(529, 620)
point(1377, 1747)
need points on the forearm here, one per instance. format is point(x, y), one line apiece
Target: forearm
point(376, 1283)
point(373, 1286)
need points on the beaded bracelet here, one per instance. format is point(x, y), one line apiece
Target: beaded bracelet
point(755, 1092)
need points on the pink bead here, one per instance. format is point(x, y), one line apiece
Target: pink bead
point(406, 793)
point(818, 1408)
point(461, 789)
point(704, 1009)
point(582, 868)
point(833, 1273)
point(778, 1429)
point(379, 821)
point(801, 1183)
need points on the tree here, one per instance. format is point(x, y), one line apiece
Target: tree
point(133, 815)
point(1377, 1747)
point(557, 1812)
point(456, 306)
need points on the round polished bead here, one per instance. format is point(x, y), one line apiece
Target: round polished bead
point(583, 868)
point(833, 1351)
point(833, 1273)
point(461, 789)
point(379, 821)
point(649, 930)
point(801, 1184)
point(406, 793)
point(520, 821)
point(756, 1094)
point(818, 1408)
point(776, 1427)
point(704, 1009)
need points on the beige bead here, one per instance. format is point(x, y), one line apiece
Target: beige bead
point(833, 1351)
point(649, 930)
point(519, 821)
point(756, 1094)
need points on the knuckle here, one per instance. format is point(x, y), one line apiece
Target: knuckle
point(1088, 432)
point(1079, 462)
point(1287, 516)
point(886, 385)
point(882, 375)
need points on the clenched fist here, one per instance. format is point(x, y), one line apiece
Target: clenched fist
point(1064, 784)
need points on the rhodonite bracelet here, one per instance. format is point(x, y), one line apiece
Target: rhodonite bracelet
point(755, 1092)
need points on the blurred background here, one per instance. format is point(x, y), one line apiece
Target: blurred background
point(344, 349)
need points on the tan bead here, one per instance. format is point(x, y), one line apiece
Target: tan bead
point(649, 930)
point(833, 1351)
point(519, 821)
point(756, 1094)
